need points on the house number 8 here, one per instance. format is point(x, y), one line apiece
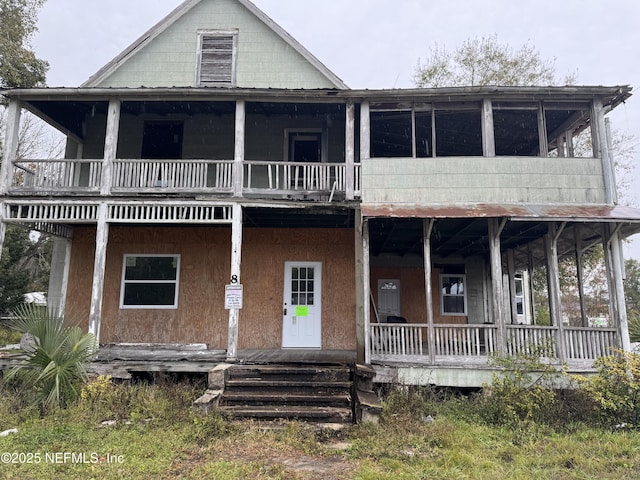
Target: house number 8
point(234, 279)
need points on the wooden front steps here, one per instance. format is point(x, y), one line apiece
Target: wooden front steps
point(312, 393)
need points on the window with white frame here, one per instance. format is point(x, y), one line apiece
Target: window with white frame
point(217, 51)
point(453, 295)
point(150, 281)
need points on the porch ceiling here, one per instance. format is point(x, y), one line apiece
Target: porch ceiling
point(463, 230)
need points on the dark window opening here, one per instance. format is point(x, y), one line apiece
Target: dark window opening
point(162, 140)
point(391, 134)
point(516, 132)
point(458, 133)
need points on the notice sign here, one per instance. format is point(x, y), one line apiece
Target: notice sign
point(302, 311)
point(233, 296)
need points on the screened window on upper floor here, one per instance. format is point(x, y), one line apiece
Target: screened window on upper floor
point(217, 51)
point(410, 133)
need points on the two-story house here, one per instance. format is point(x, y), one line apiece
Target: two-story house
point(224, 193)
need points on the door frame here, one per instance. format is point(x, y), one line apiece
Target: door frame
point(288, 265)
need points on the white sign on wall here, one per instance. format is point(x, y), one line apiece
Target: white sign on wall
point(233, 296)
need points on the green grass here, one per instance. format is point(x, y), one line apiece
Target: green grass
point(9, 336)
point(159, 435)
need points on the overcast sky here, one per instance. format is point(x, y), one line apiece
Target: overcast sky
point(377, 43)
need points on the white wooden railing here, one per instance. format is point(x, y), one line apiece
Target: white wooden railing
point(582, 343)
point(138, 175)
point(294, 177)
point(175, 176)
point(61, 174)
point(410, 342)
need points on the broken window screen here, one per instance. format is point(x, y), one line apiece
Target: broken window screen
point(391, 134)
point(516, 131)
point(458, 133)
point(568, 134)
point(150, 281)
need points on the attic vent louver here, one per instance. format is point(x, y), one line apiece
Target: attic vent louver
point(217, 58)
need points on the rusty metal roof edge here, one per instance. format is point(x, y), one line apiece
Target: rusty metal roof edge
point(515, 212)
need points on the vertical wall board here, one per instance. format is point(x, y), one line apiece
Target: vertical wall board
point(78, 299)
point(264, 252)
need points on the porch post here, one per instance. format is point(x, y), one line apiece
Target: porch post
point(613, 250)
point(99, 264)
point(427, 228)
point(553, 282)
point(580, 276)
point(497, 297)
point(365, 131)
point(59, 278)
point(543, 142)
point(10, 148)
point(359, 286)
point(110, 145)
point(349, 151)
point(236, 251)
point(3, 227)
point(366, 280)
point(238, 155)
point(511, 272)
point(601, 149)
point(488, 136)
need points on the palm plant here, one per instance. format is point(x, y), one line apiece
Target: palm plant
point(634, 325)
point(56, 356)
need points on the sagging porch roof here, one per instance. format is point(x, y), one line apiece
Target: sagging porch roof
point(461, 230)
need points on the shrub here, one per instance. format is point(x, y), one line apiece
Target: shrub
point(615, 389)
point(634, 325)
point(55, 358)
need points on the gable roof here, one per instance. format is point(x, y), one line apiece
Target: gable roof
point(181, 10)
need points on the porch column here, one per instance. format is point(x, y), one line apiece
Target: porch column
point(580, 276)
point(99, 264)
point(614, 257)
point(365, 131)
point(488, 136)
point(236, 251)
point(59, 277)
point(3, 227)
point(238, 152)
point(511, 273)
point(601, 149)
point(553, 283)
point(542, 132)
point(350, 150)
point(366, 280)
point(359, 286)
point(110, 146)
point(427, 228)
point(497, 293)
point(10, 147)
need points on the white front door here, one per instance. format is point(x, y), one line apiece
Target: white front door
point(302, 307)
point(388, 298)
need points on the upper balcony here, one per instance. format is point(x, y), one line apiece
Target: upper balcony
point(428, 146)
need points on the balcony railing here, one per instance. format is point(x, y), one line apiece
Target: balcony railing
point(134, 176)
point(465, 343)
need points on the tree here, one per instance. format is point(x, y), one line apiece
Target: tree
point(485, 61)
point(19, 66)
point(632, 285)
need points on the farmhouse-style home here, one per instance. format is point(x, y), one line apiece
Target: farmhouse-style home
point(224, 197)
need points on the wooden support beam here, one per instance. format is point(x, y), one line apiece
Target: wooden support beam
point(601, 149)
point(99, 263)
point(236, 257)
point(511, 269)
point(110, 145)
point(59, 277)
point(497, 293)
point(10, 147)
point(530, 299)
point(580, 275)
point(488, 136)
point(238, 152)
point(365, 131)
point(614, 262)
point(427, 229)
point(359, 286)
point(350, 150)
point(366, 280)
point(3, 227)
point(553, 283)
point(542, 132)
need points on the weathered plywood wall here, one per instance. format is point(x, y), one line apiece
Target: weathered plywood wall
point(263, 255)
point(204, 271)
point(412, 294)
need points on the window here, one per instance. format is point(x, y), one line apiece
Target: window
point(217, 58)
point(400, 134)
point(453, 299)
point(519, 294)
point(150, 281)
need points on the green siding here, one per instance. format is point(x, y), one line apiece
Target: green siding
point(264, 59)
point(482, 180)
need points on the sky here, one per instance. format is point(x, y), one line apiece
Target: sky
point(378, 43)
